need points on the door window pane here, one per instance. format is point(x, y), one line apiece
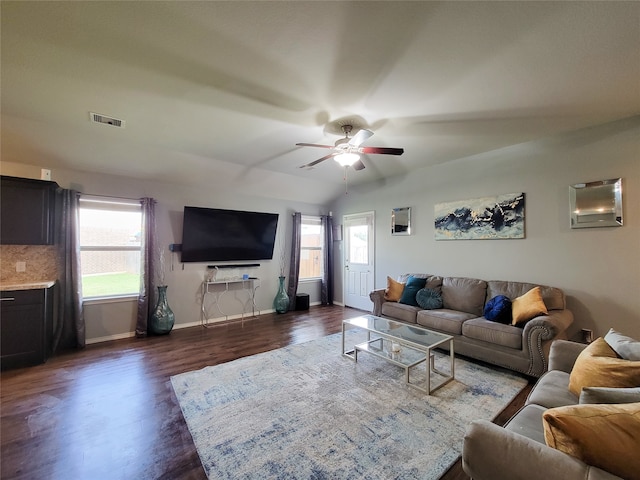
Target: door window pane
point(358, 244)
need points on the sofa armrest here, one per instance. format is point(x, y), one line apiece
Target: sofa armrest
point(538, 334)
point(377, 297)
point(491, 452)
point(563, 355)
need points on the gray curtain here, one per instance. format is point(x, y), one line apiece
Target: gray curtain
point(326, 288)
point(69, 330)
point(294, 264)
point(147, 274)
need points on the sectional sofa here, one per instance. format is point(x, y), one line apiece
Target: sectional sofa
point(523, 347)
point(580, 421)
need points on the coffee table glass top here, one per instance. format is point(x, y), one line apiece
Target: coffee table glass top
point(410, 334)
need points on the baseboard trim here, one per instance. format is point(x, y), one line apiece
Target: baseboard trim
point(177, 326)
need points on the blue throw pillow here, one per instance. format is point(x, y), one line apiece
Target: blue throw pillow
point(410, 289)
point(498, 309)
point(429, 298)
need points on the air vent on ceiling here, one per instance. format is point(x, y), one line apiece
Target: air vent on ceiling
point(99, 118)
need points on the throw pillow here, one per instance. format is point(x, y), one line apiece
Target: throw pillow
point(428, 298)
point(599, 366)
point(605, 436)
point(498, 309)
point(411, 289)
point(527, 306)
point(609, 395)
point(393, 291)
point(625, 347)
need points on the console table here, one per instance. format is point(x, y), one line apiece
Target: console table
point(217, 289)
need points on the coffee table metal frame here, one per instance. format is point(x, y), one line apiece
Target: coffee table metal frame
point(414, 350)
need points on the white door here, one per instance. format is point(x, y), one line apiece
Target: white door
point(358, 259)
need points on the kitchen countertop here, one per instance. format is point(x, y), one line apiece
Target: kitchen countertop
point(10, 287)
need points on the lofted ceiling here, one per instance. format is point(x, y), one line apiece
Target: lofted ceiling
point(218, 93)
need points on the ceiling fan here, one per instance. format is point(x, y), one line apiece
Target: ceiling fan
point(348, 150)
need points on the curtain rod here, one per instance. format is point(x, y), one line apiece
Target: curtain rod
point(330, 214)
point(110, 196)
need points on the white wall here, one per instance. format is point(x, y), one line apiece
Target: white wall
point(116, 319)
point(599, 268)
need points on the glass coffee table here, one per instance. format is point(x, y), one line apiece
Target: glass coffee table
point(401, 344)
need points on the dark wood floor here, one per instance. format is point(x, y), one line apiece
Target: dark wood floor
point(109, 412)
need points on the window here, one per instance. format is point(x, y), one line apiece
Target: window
point(311, 248)
point(110, 245)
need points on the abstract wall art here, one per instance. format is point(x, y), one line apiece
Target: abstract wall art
point(500, 216)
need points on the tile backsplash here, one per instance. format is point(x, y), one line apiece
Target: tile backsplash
point(40, 263)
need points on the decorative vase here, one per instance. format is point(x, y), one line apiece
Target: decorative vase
point(281, 302)
point(162, 318)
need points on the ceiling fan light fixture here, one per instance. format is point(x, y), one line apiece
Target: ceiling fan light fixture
point(347, 159)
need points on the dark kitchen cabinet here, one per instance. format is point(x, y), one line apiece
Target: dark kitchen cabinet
point(27, 211)
point(26, 327)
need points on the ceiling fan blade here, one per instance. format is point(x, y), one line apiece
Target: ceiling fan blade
point(383, 150)
point(315, 162)
point(314, 145)
point(358, 165)
point(359, 138)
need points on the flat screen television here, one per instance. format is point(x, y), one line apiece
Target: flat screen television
point(212, 234)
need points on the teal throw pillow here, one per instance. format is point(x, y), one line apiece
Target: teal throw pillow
point(428, 298)
point(411, 289)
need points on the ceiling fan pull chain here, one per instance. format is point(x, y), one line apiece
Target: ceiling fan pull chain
point(346, 179)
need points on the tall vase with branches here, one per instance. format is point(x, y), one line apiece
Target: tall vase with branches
point(162, 317)
point(281, 300)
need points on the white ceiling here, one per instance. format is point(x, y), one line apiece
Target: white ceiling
point(219, 93)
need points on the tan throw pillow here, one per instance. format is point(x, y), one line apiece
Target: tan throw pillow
point(393, 291)
point(604, 436)
point(527, 306)
point(599, 366)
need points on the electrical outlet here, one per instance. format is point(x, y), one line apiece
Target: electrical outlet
point(21, 267)
point(45, 174)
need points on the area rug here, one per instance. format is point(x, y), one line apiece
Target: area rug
point(307, 412)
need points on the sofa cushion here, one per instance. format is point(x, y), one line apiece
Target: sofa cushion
point(552, 390)
point(443, 320)
point(553, 297)
point(528, 422)
point(394, 289)
point(609, 395)
point(599, 366)
point(492, 332)
point(498, 309)
point(605, 436)
point(527, 307)
point(411, 288)
point(625, 347)
point(400, 311)
point(464, 294)
point(429, 299)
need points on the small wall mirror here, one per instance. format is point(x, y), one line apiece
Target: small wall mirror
point(596, 204)
point(401, 221)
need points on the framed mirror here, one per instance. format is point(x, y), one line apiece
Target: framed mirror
point(596, 204)
point(401, 221)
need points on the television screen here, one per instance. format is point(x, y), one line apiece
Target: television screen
point(210, 234)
